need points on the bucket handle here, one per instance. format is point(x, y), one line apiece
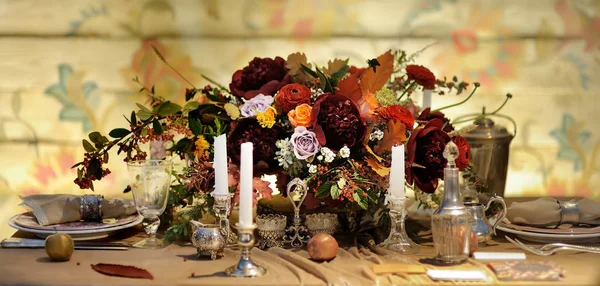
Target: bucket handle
point(486, 115)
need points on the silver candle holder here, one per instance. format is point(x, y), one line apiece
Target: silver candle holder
point(398, 240)
point(222, 209)
point(246, 268)
point(297, 234)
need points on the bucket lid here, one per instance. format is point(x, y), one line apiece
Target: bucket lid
point(486, 129)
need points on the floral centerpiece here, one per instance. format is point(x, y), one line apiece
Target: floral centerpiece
point(331, 126)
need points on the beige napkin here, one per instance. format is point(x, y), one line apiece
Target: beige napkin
point(546, 212)
point(53, 209)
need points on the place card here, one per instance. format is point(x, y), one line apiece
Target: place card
point(499, 255)
point(456, 275)
point(398, 268)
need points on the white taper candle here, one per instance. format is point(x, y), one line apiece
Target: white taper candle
point(426, 98)
point(220, 166)
point(397, 172)
point(246, 189)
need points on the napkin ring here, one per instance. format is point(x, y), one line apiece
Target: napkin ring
point(91, 207)
point(569, 212)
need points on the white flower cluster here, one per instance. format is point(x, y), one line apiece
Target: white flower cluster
point(344, 152)
point(326, 155)
point(312, 168)
point(376, 135)
point(285, 156)
point(315, 93)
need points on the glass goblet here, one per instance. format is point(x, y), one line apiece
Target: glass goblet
point(150, 181)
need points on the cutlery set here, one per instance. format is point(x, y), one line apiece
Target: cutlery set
point(14, 242)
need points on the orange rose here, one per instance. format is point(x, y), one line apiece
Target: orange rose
point(291, 96)
point(301, 115)
point(398, 113)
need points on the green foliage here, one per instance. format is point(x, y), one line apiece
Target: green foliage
point(119, 132)
point(157, 126)
point(87, 146)
point(324, 190)
point(167, 108)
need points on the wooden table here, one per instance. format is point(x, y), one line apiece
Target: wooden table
point(176, 264)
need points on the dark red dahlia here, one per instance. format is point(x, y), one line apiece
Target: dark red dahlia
point(264, 76)
point(336, 121)
point(249, 130)
point(426, 115)
point(426, 162)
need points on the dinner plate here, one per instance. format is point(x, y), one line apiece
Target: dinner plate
point(570, 230)
point(28, 220)
point(550, 237)
point(77, 230)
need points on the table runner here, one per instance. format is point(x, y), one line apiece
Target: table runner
point(175, 265)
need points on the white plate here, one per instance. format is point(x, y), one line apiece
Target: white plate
point(80, 234)
point(549, 238)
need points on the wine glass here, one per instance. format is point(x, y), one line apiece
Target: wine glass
point(150, 181)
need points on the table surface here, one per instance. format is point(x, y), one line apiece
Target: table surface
point(176, 264)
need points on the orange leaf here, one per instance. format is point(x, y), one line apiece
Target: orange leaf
point(122, 271)
point(350, 88)
point(379, 168)
point(394, 134)
point(373, 81)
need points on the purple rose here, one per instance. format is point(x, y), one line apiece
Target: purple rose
point(259, 103)
point(305, 143)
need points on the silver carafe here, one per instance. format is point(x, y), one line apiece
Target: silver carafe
point(489, 153)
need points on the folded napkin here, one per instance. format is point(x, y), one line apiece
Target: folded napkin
point(53, 209)
point(551, 212)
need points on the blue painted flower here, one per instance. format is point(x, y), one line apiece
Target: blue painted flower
point(76, 97)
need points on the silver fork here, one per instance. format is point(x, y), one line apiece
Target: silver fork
point(551, 248)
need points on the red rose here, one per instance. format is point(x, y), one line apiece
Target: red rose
point(264, 76)
point(336, 121)
point(423, 76)
point(464, 155)
point(426, 162)
point(398, 113)
point(291, 96)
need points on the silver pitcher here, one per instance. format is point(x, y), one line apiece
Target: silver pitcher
point(481, 225)
point(489, 153)
point(207, 239)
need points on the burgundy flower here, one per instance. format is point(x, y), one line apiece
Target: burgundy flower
point(464, 155)
point(426, 162)
point(422, 75)
point(249, 130)
point(427, 115)
point(336, 121)
point(264, 76)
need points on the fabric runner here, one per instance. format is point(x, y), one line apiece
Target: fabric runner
point(178, 265)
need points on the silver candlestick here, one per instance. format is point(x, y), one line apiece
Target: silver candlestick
point(297, 234)
point(222, 209)
point(246, 268)
point(398, 240)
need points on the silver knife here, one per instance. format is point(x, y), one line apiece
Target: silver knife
point(14, 242)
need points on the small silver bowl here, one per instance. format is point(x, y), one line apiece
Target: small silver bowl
point(321, 223)
point(271, 228)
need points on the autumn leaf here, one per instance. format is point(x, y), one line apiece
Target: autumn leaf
point(122, 271)
point(372, 81)
point(295, 62)
point(349, 87)
point(393, 135)
point(379, 168)
point(334, 66)
point(263, 188)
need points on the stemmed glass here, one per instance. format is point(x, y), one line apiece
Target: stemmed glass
point(150, 181)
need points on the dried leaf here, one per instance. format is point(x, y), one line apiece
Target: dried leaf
point(394, 134)
point(232, 110)
point(263, 188)
point(367, 105)
point(122, 271)
point(295, 62)
point(349, 87)
point(334, 66)
point(379, 168)
point(372, 81)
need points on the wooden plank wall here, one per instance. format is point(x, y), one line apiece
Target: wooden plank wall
point(66, 69)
